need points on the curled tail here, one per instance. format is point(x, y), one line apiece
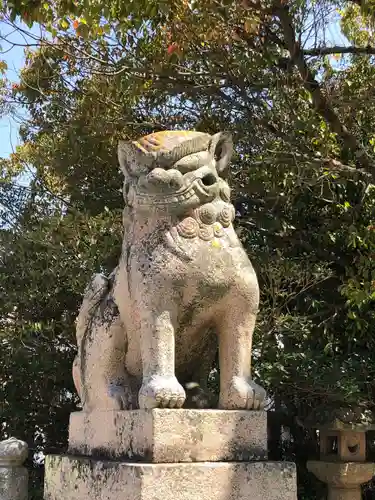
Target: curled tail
point(94, 293)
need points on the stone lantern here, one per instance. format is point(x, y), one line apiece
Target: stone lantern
point(342, 465)
point(13, 476)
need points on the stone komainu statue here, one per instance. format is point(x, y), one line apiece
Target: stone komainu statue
point(183, 287)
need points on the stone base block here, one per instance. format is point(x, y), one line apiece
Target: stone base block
point(77, 478)
point(170, 436)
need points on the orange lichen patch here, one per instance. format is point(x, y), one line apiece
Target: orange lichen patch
point(165, 140)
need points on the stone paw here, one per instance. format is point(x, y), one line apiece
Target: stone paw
point(242, 394)
point(161, 392)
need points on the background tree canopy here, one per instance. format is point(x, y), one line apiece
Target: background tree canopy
point(293, 82)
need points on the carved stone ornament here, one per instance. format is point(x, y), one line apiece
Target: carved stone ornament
point(184, 287)
point(13, 452)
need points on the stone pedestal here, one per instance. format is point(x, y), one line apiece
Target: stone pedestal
point(168, 455)
point(169, 436)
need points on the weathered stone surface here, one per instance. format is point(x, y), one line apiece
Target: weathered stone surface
point(13, 477)
point(170, 435)
point(350, 445)
point(69, 478)
point(183, 288)
point(13, 483)
point(13, 451)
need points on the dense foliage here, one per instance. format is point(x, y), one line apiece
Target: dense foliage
point(301, 113)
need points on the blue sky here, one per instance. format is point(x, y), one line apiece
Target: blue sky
point(14, 57)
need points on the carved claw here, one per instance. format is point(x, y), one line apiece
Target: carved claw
point(242, 394)
point(161, 392)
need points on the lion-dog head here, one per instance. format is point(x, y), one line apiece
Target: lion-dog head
point(175, 171)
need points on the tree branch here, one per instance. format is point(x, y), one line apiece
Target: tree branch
point(324, 51)
point(328, 163)
point(350, 143)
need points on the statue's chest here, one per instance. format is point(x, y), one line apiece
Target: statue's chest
point(203, 246)
point(213, 255)
point(198, 270)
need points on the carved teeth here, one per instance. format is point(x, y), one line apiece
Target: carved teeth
point(161, 200)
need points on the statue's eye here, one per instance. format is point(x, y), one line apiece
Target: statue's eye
point(186, 166)
point(192, 162)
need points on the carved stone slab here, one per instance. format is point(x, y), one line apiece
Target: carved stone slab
point(163, 436)
point(71, 478)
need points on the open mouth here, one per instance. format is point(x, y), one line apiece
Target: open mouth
point(206, 186)
point(208, 180)
point(201, 187)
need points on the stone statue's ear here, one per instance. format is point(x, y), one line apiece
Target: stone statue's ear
point(221, 148)
point(132, 160)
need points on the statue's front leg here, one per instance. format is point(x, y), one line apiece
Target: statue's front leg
point(237, 389)
point(160, 387)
